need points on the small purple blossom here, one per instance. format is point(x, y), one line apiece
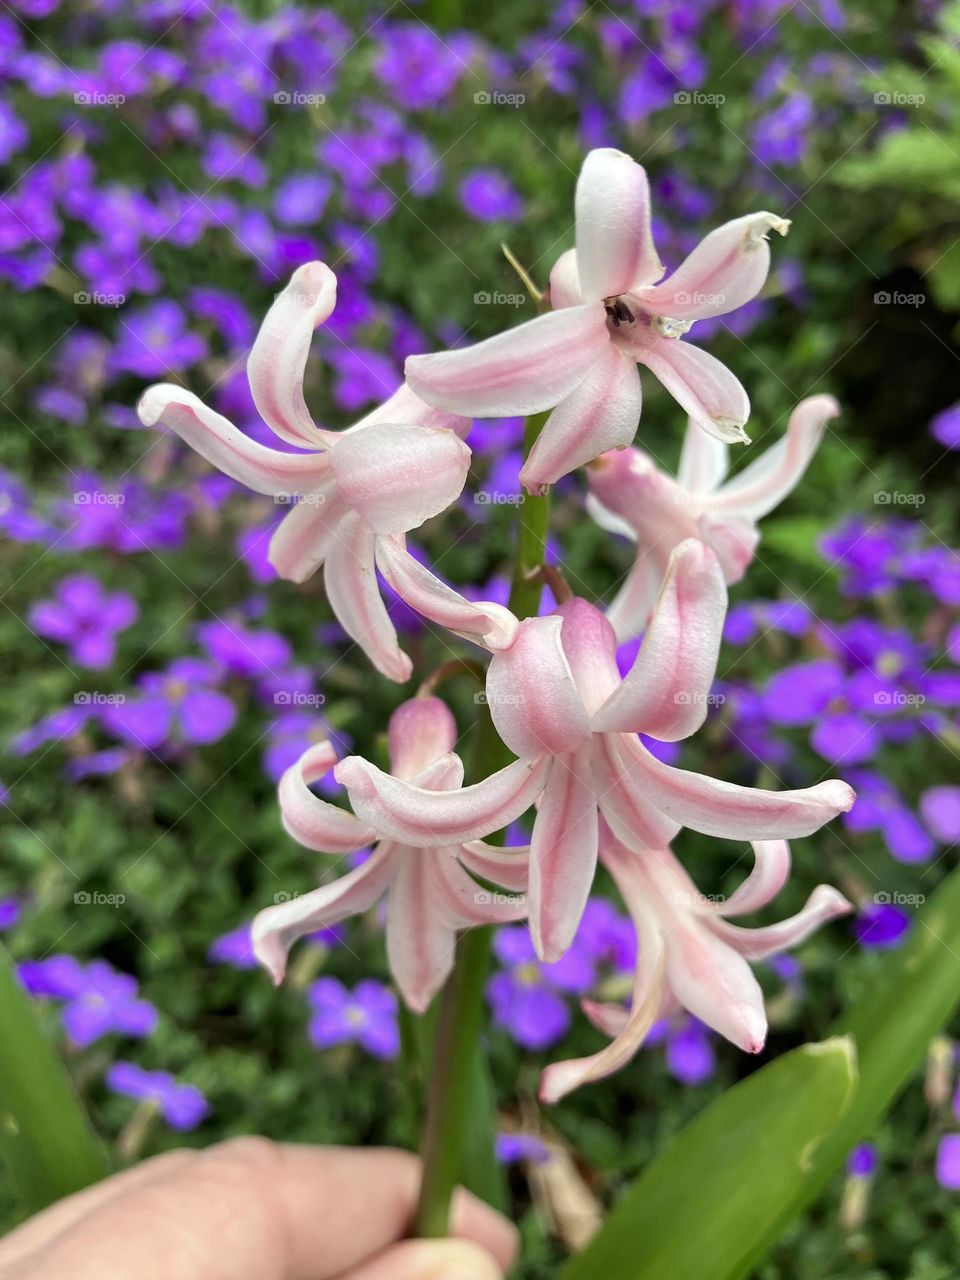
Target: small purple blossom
point(98, 999)
point(881, 925)
point(862, 1161)
point(367, 1016)
point(180, 704)
point(86, 618)
point(489, 196)
point(527, 995)
point(183, 1106)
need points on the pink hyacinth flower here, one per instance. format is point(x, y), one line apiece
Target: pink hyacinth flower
point(690, 956)
point(609, 315)
point(354, 494)
point(430, 891)
point(630, 495)
point(557, 700)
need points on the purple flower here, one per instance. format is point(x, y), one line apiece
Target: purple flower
point(940, 811)
point(97, 764)
point(10, 909)
point(862, 1161)
point(689, 1052)
point(881, 925)
point(489, 196)
point(98, 998)
point(781, 136)
point(154, 340)
point(299, 200)
point(86, 618)
point(366, 1016)
point(183, 1106)
point(945, 427)
point(178, 704)
point(880, 807)
point(242, 651)
point(234, 948)
point(512, 1148)
point(418, 67)
point(948, 1162)
point(867, 551)
point(527, 996)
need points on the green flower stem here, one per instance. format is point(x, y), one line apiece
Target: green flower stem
point(453, 1093)
point(46, 1141)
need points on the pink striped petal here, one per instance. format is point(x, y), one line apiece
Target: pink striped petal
point(701, 385)
point(600, 414)
point(275, 930)
point(733, 541)
point(351, 582)
point(313, 822)
point(615, 250)
point(397, 477)
point(507, 867)
point(405, 406)
point(533, 700)
point(225, 447)
point(823, 905)
point(768, 479)
point(525, 370)
point(565, 282)
point(563, 854)
point(425, 818)
point(771, 870)
point(704, 461)
point(726, 269)
point(279, 356)
point(623, 800)
point(419, 732)
point(421, 940)
point(665, 693)
point(467, 903)
point(632, 604)
point(590, 647)
point(300, 542)
point(739, 813)
point(714, 982)
point(482, 621)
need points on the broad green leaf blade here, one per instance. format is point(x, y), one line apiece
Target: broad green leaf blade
point(46, 1141)
point(713, 1200)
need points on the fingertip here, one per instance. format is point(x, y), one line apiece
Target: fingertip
point(430, 1260)
point(474, 1220)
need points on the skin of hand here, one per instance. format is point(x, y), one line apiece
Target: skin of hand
point(251, 1209)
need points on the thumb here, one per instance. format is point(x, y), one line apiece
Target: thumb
point(429, 1260)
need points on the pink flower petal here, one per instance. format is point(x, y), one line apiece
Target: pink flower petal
point(704, 461)
point(623, 799)
point(726, 269)
point(733, 540)
point(525, 370)
point(396, 477)
point(771, 870)
point(824, 904)
point(421, 940)
point(215, 438)
point(507, 867)
point(701, 385)
point(301, 541)
point(565, 282)
point(279, 356)
point(533, 699)
point(631, 606)
point(563, 854)
point(419, 732)
point(615, 250)
point(665, 693)
point(313, 822)
point(426, 818)
point(405, 406)
point(601, 413)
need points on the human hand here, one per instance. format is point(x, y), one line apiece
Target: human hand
point(251, 1209)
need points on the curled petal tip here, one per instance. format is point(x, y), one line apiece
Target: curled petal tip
point(350, 773)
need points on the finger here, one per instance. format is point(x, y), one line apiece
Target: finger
point(429, 1260)
point(255, 1210)
point(45, 1226)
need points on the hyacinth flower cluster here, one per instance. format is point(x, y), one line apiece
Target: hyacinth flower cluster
point(556, 696)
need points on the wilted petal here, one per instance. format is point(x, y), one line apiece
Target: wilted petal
point(615, 250)
point(703, 461)
point(397, 477)
point(726, 269)
point(482, 621)
point(665, 692)
point(275, 930)
point(563, 854)
point(766, 482)
point(426, 818)
point(533, 699)
point(525, 370)
point(300, 542)
point(351, 582)
point(313, 822)
point(740, 813)
point(279, 356)
point(824, 904)
point(215, 438)
point(600, 414)
point(701, 385)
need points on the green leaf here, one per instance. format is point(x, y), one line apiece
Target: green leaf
point(46, 1140)
point(718, 1195)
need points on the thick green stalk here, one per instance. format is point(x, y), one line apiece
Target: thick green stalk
point(46, 1141)
point(453, 1091)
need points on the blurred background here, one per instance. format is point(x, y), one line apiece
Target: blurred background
point(167, 165)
